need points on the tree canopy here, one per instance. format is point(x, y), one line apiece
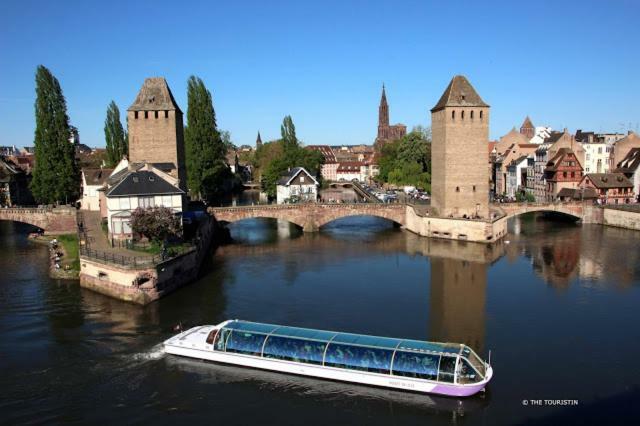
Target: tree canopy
point(56, 177)
point(274, 158)
point(205, 149)
point(156, 223)
point(115, 137)
point(407, 161)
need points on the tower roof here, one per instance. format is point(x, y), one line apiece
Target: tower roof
point(459, 92)
point(258, 139)
point(527, 124)
point(383, 98)
point(154, 95)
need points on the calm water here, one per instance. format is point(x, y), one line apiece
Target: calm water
point(557, 307)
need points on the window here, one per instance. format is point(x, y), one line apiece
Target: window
point(480, 115)
point(146, 114)
point(447, 369)
point(221, 340)
point(301, 179)
point(359, 358)
point(573, 174)
point(135, 115)
point(298, 350)
point(472, 115)
point(246, 343)
point(462, 115)
point(466, 373)
point(156, 114)
point(411, 364)
point(124, 203)
point(166, 114)
point(457, 189)
point(145, 202)
point(564, 174)
point(453, 115)
point(474, 188)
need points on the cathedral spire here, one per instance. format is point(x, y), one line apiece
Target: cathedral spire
point(258, 141)
point(383, 110)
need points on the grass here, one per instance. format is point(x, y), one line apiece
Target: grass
point(72, 257)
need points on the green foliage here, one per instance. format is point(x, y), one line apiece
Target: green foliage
point(115, 136)
point(156, 223)
point(205, 149)
point(56, 177)
point(70, 244)
point(274, 158)
point(407, 161)
point(525, 196)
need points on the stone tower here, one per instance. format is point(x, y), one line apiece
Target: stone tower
point(527, 128)
point(156, 130)
point(459, 153)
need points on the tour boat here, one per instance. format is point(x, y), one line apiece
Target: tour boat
point(438, 368)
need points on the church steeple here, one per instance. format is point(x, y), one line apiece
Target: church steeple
point(258, 141)
point(383, 110)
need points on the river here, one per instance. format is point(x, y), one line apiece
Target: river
point(556, 304)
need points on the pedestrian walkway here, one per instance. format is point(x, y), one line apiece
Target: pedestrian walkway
point(97, 240)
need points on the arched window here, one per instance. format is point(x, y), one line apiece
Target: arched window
point(453, 115)
point(462, 115)
point(472, 115)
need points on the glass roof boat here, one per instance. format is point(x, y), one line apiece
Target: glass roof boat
point(450, 369)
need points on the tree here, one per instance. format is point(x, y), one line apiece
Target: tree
point(274, 158)
point(115, 136)
point(407, 161)
point(205, 149)
point(56, 176)
point(156, 223)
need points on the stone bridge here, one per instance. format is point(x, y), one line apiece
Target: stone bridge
point(584, 211)
point(56, 220)
point(311, 216)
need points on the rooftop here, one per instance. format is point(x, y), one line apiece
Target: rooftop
point(142, 182)
point(154, 95)
point(609, 180)
point(459, 93)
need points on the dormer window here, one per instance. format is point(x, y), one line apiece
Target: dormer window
point(135, 179)
point(151, 178)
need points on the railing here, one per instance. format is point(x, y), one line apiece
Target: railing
point(297, 205)
point(134, 261)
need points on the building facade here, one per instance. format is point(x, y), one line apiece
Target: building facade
point(297, 185)
point(460, 134)
point(93, 180)
point(596, 158)
point(387, 132)
point(630, 167)
point(563, 171)
point(611, 188)
point(156, 130)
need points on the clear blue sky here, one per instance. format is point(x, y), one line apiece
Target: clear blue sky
point(565, 63)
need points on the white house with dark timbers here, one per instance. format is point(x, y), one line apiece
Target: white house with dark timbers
point(139, 185)
point(297, 185)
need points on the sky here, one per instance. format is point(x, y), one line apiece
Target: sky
point(567, 64)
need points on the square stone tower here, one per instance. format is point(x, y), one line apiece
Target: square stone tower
point(459, 153)
point(156, 132)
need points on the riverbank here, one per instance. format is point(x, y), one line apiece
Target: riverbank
point(64, 255)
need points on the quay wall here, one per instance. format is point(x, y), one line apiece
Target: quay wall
point(455, 229)
point(621, 218)
point(143, 284)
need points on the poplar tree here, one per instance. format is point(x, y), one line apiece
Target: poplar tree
point(114, 135)
point(56, 178)
point(205, 150)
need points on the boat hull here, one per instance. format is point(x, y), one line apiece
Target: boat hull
point(331, 373)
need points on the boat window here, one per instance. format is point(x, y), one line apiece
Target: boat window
point(447, 369)
point(359, 358)
point(466, 373)
point(474, 360)
point(412, 364)
point(246, 343)
point(221, 339)
point(211, 336)
point(298, 350)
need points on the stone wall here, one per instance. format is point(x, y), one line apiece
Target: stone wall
point(621, 218)
point(455, 229)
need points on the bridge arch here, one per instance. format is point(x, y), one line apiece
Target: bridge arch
point(258, 216)
point(574, 210)
point(332, 218)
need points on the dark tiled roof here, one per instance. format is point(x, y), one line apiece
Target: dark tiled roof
point(609, 180)
point(458, 93)
point(142, 182)
point(165, 167)
point(553, 137)
point(288, 176)
point(553, 164)
point(154, 95)
point(96, 176)
point(567, 192)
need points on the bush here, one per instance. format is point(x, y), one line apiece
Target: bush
point(156, 223)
